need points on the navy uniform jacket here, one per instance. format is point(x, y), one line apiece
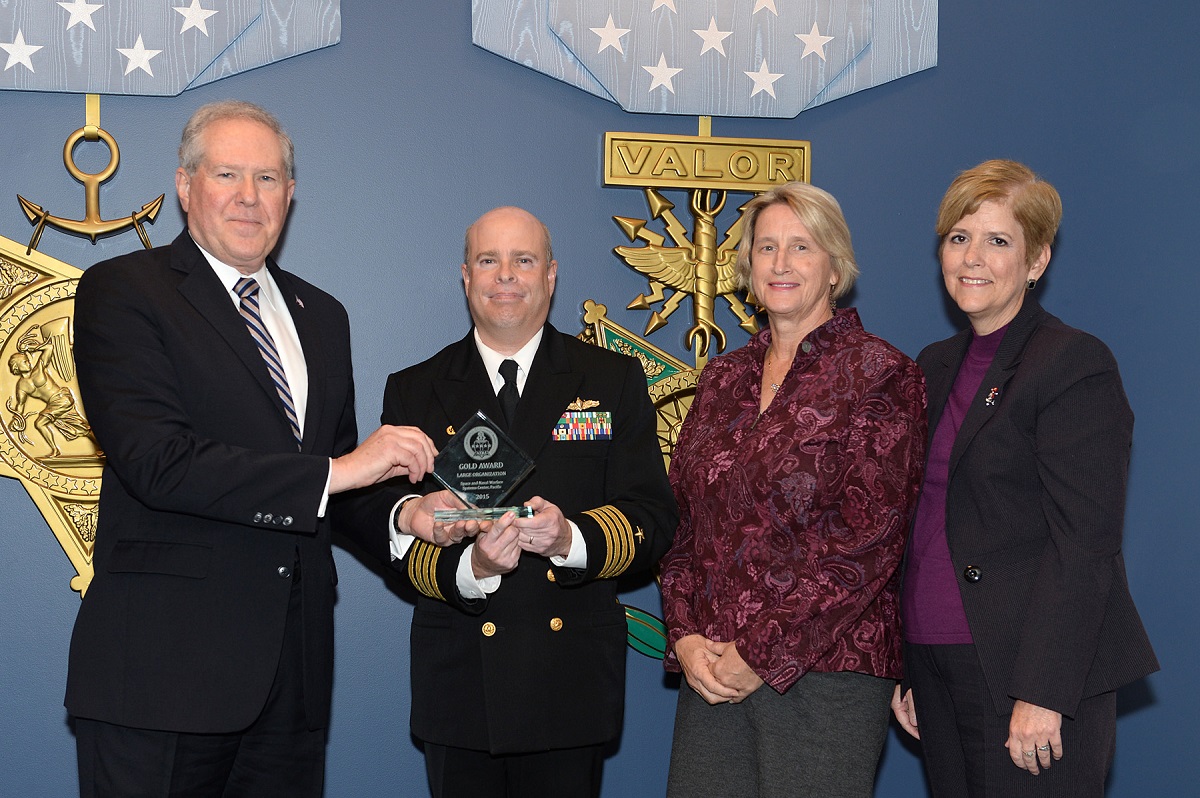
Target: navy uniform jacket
point(1035, 507)
point(540, 663)
point(207, 507)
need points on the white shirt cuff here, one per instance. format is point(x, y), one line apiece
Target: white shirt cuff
point(400, 541)
point(464, 578)
point(577, 556)
point(325, 495)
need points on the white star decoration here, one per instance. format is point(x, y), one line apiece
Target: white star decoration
point(814, 42)
point(66, 46)
point(610, 36)
point(856, 44)
point(19, 52)
point(713, 38)
point(764, 79)
point(139, 57)
point(194, 17)
point(81, 13)
point(662, 74)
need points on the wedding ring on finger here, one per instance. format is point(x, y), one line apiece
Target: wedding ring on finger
point(1043, 748)
point(1027, 753)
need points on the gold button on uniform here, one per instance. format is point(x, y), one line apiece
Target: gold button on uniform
point(489, 629)
point(555, 624)
point(549, 574)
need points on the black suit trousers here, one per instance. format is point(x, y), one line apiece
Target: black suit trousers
point(963, 735)
point(277, 755)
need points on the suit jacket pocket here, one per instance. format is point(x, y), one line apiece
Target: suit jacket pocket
point(160, 557)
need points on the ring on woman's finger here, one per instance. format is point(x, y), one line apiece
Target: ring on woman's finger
point(1043, 748)
point(1028, 753)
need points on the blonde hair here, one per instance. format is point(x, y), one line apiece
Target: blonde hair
point(820, 213)
point(1034, 203)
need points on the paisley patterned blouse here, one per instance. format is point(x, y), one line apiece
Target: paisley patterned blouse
point(793, 522)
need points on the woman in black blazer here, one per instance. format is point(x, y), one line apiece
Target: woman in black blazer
point(1018, 622)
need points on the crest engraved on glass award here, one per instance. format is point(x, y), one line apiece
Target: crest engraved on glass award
point(482, 466)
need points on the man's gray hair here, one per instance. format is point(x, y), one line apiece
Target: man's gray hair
point(191, 151)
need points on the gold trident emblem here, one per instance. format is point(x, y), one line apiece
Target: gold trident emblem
point(91, 225)
point(699, 267)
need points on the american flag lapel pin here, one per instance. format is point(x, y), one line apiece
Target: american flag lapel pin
point(992, 396)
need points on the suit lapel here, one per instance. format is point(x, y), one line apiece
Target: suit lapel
point(995, 381)
point(464, 387)
point(940, 374)
point(203, 290)
point(551, 386)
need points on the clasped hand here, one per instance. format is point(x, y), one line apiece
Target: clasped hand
point(716, 670)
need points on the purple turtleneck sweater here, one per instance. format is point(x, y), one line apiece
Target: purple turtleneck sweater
point(931, 606)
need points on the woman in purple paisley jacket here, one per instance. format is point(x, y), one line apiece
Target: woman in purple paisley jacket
point(796, 473)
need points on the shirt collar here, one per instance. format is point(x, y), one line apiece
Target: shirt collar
point(524, 357)
point(267, 289)
point(829, 333)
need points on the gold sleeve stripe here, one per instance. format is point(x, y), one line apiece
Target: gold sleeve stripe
point(618, 535)
point(422, 568)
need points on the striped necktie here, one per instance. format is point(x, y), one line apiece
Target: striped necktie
point(247, 290)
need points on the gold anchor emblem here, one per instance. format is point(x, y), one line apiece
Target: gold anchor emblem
point(91, 225)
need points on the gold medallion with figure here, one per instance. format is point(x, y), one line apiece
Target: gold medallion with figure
point(45, 440)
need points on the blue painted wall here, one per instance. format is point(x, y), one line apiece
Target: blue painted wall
point(405, 133)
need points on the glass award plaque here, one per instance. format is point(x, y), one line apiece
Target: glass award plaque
point(482, 466)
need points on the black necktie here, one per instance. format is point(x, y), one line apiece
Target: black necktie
point(508, 394)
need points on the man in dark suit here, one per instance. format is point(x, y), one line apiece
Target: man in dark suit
point(518, 640)
point(201, 661)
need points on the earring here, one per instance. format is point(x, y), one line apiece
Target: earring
point(832, 301)
point(1030, 284)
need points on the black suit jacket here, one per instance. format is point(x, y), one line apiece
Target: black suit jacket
point(1034, 513)
point(540, 663)
point(207, 510)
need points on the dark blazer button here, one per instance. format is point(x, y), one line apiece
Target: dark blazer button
point(277, 520)
point(267, 518)
point(257, 517)
point(287, 521)
point(283, 571)
point(972, 573)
